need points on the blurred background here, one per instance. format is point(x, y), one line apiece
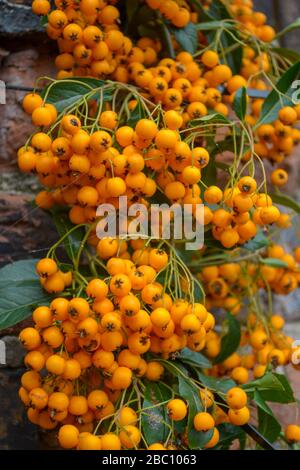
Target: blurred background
point(25, 54)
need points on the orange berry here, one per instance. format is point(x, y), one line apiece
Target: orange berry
point(30, 338)
point(32, 101)
point(42, 117)
point(110, 441)
point(97, 289)
point(146, 129)
point(130, 436)
point(72, 369)
point(292, 433)
point(121, 378)
point(68, 436)
point(177, 409)
point(38, 398)
point(210, 59)
point(203, 421)
point(239, 417)
point(42, 316)
point(120, 285)
point(34, 360)
point(88, 441)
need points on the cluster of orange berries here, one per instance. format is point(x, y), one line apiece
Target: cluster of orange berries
point(245, 209)
point(133, 300)
point(83, 352)
point(282, 280)
point(83, 169)
point(262, 346)
point(182, 84)
point(57, 401)
point(171, 11)
point(226, 285)
point(89, 39)
point(91, 44)
point(237, 413)
point(276, 141)
point(53, 279)
point(252, 22)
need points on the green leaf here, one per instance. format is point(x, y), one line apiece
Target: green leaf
point(198, 291)
point(274, 262)
point(288, 395)
point(279, 97)
point(193, 358)
point(198, 439)
point(190, 393)
point(136, 114)
point(288, 54)
point(218, 9)
point(291, 27)
point(272, 387)
point(211, 25)
point(67, 92)
point(211, 242)
point(154, 429)
point(72, 242)
point(20, 292)
point(19, 271)
point(234, 54)
point(230, 342)
point(214, 384)
point(213, 118)
point(187, 37)
point(258, 242)
point(228, 434)
point(286, 201)
point(209, 173)
point(265, 383)
point(240, 103)
point(43, 20)
point(261, 402)
point(268, 425)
